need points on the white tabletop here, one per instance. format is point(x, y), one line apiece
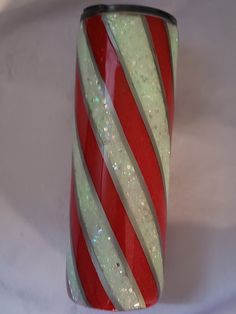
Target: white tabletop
point(37, 64)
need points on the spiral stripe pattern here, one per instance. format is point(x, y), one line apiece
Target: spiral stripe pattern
point(123, 122)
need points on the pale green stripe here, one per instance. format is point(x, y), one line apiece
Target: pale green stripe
point(132, 42)
point(73, 279)
point(174, 42)
point(119, 163)
point(107, 257)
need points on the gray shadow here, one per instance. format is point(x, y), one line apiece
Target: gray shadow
point(195, 252)
point(200, 89)
point(36, 138)
point(186, 261)
point(192, 97)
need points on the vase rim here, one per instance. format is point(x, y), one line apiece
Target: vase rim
point(102, 8)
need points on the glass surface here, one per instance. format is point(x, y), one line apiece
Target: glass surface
point(124, 110)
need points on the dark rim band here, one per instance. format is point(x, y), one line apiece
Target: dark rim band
point(98, 9)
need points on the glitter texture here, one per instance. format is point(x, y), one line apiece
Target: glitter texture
point(174, 40)
point(102, 240)
point(121, 154)
point(132, 42)
point(115, 153)
point(73, 280)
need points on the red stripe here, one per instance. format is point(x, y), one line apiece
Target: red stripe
point(162, 48)
point(113, 206)
point(90, 281)
point(129, 115)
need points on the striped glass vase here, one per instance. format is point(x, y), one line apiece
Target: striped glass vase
point(124, 108)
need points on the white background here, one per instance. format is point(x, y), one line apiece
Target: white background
point(37, 63)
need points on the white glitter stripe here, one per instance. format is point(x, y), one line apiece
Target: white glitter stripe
point(174, 41)
point(74, 282)
point(110, 264)
point(117, 154)
point(133, 46)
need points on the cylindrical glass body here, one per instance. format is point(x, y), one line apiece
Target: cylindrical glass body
point(124, 108)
